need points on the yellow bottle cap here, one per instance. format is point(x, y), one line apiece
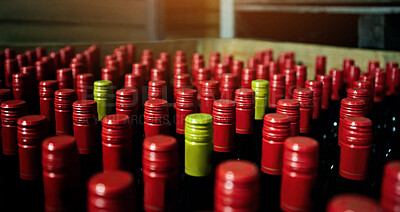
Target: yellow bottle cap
point(198, 144)
point(261, 89)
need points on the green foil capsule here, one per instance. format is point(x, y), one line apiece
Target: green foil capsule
point(261, 89)
point(198, 144)
point(103, 94)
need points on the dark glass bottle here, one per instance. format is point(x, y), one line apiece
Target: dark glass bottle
point(223, 130)
point(390, 200)
point(244, 142)
point(299, 173)
point(352, 202)
point(276, 129)
point(198, 179)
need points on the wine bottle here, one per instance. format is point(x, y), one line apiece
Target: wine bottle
point(276, 90)
point(389, 196)
point(63, 100)
point(352, 202)
point(305, 97)
point(104, 96)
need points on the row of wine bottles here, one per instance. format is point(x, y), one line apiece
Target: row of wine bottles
point(159, 136)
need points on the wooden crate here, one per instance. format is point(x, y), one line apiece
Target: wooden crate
point(241, 49)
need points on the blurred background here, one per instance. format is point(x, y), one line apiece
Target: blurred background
point(371, 24)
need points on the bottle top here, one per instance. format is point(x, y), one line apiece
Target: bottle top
point(248, 75)
point(64, 74)
point(84, 79)
point(32, 121)
point(199, 127)
point(393, 82)
point(352, 202)
point(103, 84)
point(155, 111)
point(276, 80)
point(304, 96)
point(224, 111)
point(138, 69)
point(276, 127)
point(160, 153)
point(289, 107)
point(5, 94)
point(337, 83)
point(12, 104)
point(157, 74)
point(186, 98)
point(320, 64)
point(228, 80)
point(242, 172)
point(390, 186)
point(353, 75)
point(347, 63)
point(180, 68)
point(273, 68)
point(251, 63)
point(372, 65)
point(244, 98)
point(112, 184)
point(356, 131)
point(9, 53)
point(300, 154)
point(390, 66)
point(260, 87)
point(115, 120)
point(20, 80)
point(32, 129)
point(47, 88)
point(380, 81)
point(360, 93)
point(210, 89)
point(326, 90)
point(59, 154)
point(262, 72)
point(352, 107)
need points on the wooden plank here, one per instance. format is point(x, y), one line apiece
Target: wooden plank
point(241, 49)
point(75, 11)
point(361, 2)
point(61, 32)
point(355, 10)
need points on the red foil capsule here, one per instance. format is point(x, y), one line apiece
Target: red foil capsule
point(131, 50)
point(351, 107)
point(276, 89)
point(358, 93)
point(228, 86)
point(22, 60)
point(31, 72)
point(251, 63)
point(20, 86)
point(160, 173)
point(138, 69)
point(260, 57)
point(262, 72)
point(248, 75)
point(10, 53)
point(390, 200)
point(203, 74)
point(305, 98)
point(31, 57)
point(127, 103)
point(46, 98)
point(355, 144)
point(122, 62)
point(289, 64)
point(352, 202)
point(186, 103)
point(352, 75)
point(372, 65)
point(379, 88)
point(337, 83)
point(10, 68)
point(157, 90)
point(276, 129)
point(236, 69)
point(84, 86)
point(326, 90)
point(156, 117)
point(281, 62)
point(77, 68)
point(51, 72)
point(42, 70)
point(389, 69)
point(237, 186)
point(116, 142)
point(32, 130)
point(85, 118)
point(55, 56)
point(110, 74)
point(220, 70)
point(273, 68)
point(181, 68)
point(181, 81)
point(245, 102)
point(347, 63)
point(393, 82)
point(213, 62)
point(60, 164)
point(147, 62)
point(290, 82)
point(133, 81)
point(196, 65)
point(320, 65)
point(316, 87)
point(40, 52)
point(157, 74)
point(5, 94)
point(64, 78)
point(63, 100)
point(111, 191)
point(209, 93)
point(299, 173)
point(227, 60)
point(365, 85)
point(11, 111)
point(301, 75)
point(291, 108)
point(224, 119)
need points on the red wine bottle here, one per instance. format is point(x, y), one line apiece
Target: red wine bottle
point(305, 97)
point(389, 195)
point(352, 202)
